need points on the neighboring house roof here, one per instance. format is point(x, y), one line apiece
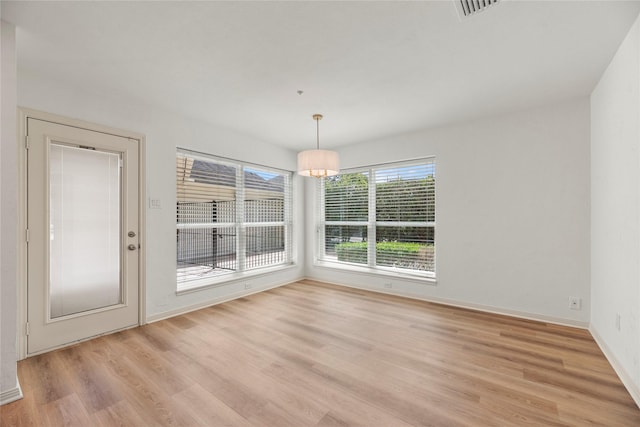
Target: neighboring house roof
point(218, 174)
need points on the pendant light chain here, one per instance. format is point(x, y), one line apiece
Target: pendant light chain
point(317, 132)
point(317, 118)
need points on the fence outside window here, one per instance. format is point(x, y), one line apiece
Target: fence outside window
point(230, 217)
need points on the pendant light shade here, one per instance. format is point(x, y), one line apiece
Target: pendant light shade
point(318, 163)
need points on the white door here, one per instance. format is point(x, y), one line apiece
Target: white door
point(82, 220)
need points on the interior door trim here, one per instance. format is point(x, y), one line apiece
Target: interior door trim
point(22, 274)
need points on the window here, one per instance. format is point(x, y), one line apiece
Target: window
point(230, 218)
point(381, 217)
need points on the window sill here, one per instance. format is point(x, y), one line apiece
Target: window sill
point(378, 272)
point(228, 279)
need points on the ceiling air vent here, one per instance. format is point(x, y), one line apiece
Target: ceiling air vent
point(471, 7)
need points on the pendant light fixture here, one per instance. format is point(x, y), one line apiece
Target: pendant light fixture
point(318, 163)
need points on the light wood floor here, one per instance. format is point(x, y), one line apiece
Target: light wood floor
point(309, 354)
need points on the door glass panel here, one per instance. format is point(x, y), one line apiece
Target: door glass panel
point(84, 218)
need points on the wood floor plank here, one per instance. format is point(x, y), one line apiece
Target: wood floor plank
point(207, 409)
point(67, 411)
point(344, 407)
point(90, 379)
point(319, 355)
point(121, 414)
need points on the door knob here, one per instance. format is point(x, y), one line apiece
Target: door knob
point(131, 247)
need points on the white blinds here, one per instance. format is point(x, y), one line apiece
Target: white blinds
point(200, 179)
point(381, 217)
point(230, 217)
point(406, 195)
point(347, 197)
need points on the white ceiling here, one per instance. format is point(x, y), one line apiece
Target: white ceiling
point(372, 68)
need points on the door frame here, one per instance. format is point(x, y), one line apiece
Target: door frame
point(22, 274)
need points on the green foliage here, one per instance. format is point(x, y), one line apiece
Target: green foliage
point(406, 200)
point(401, 199)
point(347, 180)
point(410, 255)
point(352, 252)
point(346, 197)
point(398, 248)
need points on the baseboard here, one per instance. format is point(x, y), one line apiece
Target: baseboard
point(624, 376)
point(211, 302)
point(11, 395)
point(470, 306)
point(444, 301)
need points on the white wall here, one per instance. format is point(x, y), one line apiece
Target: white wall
point(164, 131)
point(9, 387)
point(615, 211)
point(512, 230)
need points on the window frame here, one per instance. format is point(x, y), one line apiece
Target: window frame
point(371, 224)
point(241, 223)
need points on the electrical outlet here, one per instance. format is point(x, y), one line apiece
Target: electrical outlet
point(247, 285)
point(388, 285)
point(575, 303)
point(618, 321)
